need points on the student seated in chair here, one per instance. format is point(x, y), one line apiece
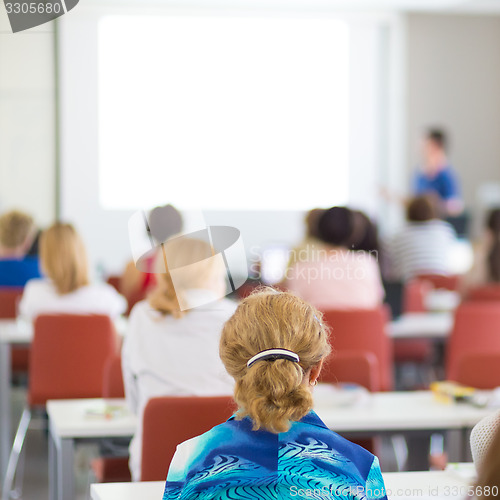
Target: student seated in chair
point(343, 273)
point(67, 288)
point(172, 342)
point(275, 446)
point(17, 233)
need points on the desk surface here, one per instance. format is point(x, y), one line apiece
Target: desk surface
point(152, 490)
point(387, 411)
point(391, 411)
point(85, 418)
point(399, 485)
point(436, 325)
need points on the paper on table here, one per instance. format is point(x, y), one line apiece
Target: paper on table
point(463, 470)
point(342, 395)
point(106, 412)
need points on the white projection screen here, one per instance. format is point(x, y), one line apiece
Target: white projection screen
point(251, 115)
point(207, 111)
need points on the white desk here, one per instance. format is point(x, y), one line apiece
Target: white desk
point(399, 486)
point(17, 333)
point(70, 422)
point(413, 414)
point(398, 411)
point(152, 490)
point(429, 325)
point(416, 415)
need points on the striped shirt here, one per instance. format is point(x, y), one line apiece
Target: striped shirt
point(423, 248)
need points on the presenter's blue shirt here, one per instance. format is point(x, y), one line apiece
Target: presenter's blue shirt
point(16, 272)
point(231, 461)
point(445, 184)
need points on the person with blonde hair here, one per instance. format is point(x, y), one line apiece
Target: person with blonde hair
point(17, 232)
point(172, 342)
point(67, 288)
point(275, 446)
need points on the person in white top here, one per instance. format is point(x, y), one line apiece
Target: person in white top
point(67, 288)
point(425, 245)
point(172, 344)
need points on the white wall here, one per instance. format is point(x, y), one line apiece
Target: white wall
point(452, 79)
point(105, 231)
point(27, 120)
point(454, 82)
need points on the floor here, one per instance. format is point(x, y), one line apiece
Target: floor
point(35, 484)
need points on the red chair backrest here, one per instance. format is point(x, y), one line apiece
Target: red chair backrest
point(68, 354)
point(9, 298)
point(359, 367)
point(112, 384)
point(168, 421)
point(414, 293)
point(476, 330)
point(364, 330)
point(485, 293)
point(481, 371)
point(115, 282)
point(132, 298)
point(440, 281)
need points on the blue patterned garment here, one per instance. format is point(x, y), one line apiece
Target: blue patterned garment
point(309, 461)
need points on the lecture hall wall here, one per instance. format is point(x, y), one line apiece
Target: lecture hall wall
point(449, 59)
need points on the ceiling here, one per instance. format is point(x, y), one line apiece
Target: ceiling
point(445, 6)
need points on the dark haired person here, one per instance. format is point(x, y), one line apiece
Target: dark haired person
point(436, 175)
point(424, 246)
point(364, 236)
point(486, 267)
point(337, 276)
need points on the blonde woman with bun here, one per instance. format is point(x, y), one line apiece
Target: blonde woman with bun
point(67, 288)
point(275, 446)
point(172, 343)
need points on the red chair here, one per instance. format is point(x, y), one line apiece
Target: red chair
point(441, 281)
point(489, 292)
point(168, 421)
point(481, 371)
point(115, 282)
point(357, 367)
point(414, 294)
point(132, 298)
point(9, 298)
point(476, 330)
point(68, 354)
point(364, 330)
point(112, 469)
point(414, 350)
point(112, 384)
